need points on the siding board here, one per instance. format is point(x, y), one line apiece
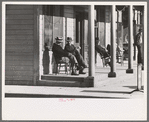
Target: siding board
point(19, 50)
point(19, 73)
point(36, 49)
point(18, 32)
point(68, 10)
point(19, 37)
point(17, 68)
point(17, 12)
point(20, 22)
point(18, 17)
point(18, 54)
point(19, 58)
point(19, 63)
point(20, 41)
point(13, 78)
point(19, 7)
point(68, 7)
point(69, 15)
point(19, 27)
point(19, 47)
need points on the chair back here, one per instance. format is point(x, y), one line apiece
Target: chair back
point(57, 60)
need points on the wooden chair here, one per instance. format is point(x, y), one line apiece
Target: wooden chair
point(62, 65)
point(105, 61)
point(120, 56)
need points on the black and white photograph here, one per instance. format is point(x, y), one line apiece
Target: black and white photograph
point(74, 60)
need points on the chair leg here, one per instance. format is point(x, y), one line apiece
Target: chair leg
point(57, 69)
point(66, 68)
point(122, 61)
point(103, 61)
point(69, 68)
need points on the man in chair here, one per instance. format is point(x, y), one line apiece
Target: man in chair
point(102, 50)
point(59, 53)
point(69, 47)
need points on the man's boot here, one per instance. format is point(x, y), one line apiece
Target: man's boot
point(73, 72)
point(81, 70)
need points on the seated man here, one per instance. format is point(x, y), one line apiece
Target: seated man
point(100, 49)
point(69, 47)
point(108, 48)
point(59, 53)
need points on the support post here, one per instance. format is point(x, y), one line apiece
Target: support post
point(135, 27)
point(143, 38)
point(113, 44)
point(98, 21)
point(134, 33)
point(136, 16)
point(50, 62)
point(130, 43)
point(139, 77)
point(91, 40)
point(117, 27)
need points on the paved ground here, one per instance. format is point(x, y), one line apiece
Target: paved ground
point(109, 99)
point(121, 87)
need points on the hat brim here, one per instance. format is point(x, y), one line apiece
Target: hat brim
point(69, 40)
point(59, 41)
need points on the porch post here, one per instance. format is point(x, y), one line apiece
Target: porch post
point(113, 43)
point(143, 35)
point(91, 40)
point(136, 16)
point(98, 22)
point(134, 31)
point(130, 43)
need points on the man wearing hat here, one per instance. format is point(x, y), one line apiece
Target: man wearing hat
point(69, 47)
point(100, 49)
point(138, 43)
point(59, 53)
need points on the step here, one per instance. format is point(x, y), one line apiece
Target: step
point(66, 81)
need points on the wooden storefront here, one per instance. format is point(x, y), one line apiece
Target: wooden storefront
point(20, 44)
point(29, 27)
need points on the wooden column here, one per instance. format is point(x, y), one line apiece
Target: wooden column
point(91, 40)
point(107, 26)
point(134, 35)
point(130, 43)
point(143, 35)
point(136, 16)
point(113, 44)
point(139, 17)
point(98, 22)
point(117, 27)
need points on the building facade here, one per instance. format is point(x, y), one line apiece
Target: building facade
point(29, 27)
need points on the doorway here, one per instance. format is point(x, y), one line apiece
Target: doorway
point(50, 26)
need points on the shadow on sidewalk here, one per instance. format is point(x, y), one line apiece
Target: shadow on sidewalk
point(102, 72)
point(16, 95)
point(117, 92)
